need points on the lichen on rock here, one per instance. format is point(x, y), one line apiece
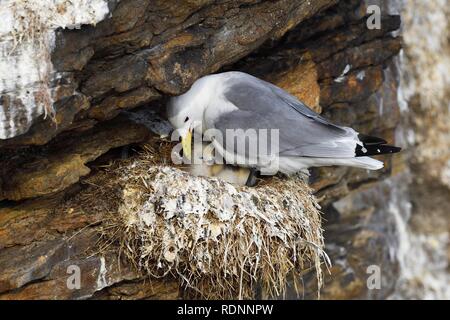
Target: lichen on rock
point(27, 36)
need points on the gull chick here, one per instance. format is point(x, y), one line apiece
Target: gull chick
point(203, 165)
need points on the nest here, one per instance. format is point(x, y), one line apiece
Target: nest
point(217, 239)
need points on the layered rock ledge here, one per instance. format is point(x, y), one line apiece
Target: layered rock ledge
point(129, 63)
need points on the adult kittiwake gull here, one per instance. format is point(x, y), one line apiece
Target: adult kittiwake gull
point(231, 104)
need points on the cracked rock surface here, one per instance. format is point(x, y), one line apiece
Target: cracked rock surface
point(145, 51)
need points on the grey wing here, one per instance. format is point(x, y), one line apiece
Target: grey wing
point(302, 132)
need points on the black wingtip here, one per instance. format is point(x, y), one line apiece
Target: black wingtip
point(370, 140)
point(373, 150)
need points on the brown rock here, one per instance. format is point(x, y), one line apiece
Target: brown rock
point(62, 167)
point(147, 49)
point(151, 289)
point(111, 106)
point(35, 220)
point(353, 87)
point(301, 81)
point(48, 127)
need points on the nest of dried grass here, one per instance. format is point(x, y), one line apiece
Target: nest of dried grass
point(218, 240)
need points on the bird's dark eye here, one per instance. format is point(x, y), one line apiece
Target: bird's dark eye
point(186, 120)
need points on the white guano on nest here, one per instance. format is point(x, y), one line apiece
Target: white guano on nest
point(217, 239)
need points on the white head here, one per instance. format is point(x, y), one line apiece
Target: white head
point(185, 112)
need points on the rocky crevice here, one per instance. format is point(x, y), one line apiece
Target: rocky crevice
point(318, 50)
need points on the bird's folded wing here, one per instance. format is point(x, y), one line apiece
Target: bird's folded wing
point(302, 132)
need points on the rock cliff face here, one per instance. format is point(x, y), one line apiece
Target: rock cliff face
point(321, 51)
point(423, 254)
point(27, 38)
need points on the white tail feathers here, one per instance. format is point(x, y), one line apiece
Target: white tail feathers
point(364, 163)
point(290, 165)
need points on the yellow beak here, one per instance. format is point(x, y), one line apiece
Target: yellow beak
point(186, 143)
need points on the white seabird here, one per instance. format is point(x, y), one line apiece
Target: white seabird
point(236, 100)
